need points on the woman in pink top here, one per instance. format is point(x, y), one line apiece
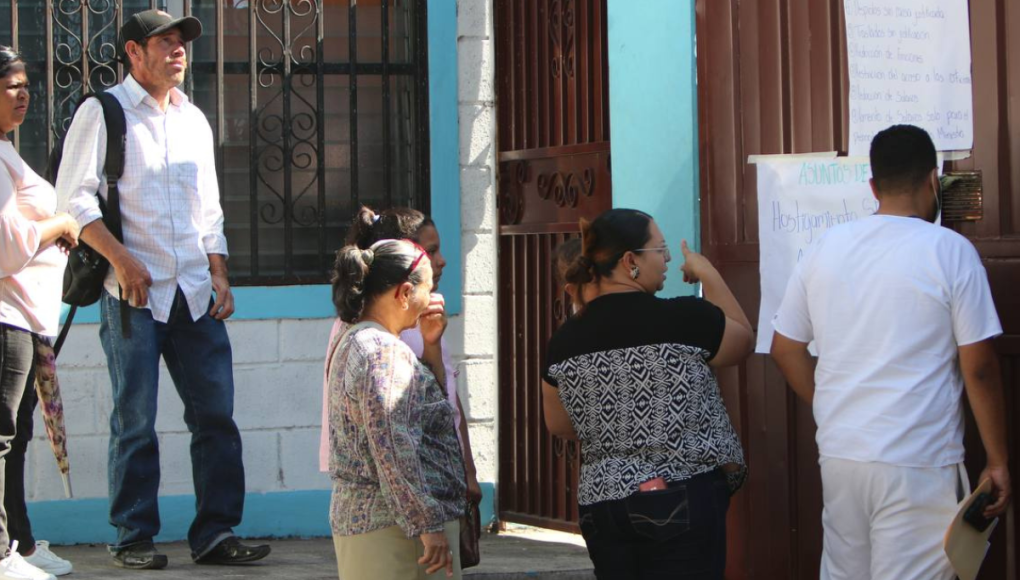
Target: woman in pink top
point(33, 243)
point(406, 223)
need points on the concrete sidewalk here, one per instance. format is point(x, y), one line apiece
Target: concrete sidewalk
point(518, 554)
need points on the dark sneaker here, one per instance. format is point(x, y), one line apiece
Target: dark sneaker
point(140, 557)
point(231, 551)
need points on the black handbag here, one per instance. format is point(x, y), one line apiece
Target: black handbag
point(470, 534)
point(86, 269)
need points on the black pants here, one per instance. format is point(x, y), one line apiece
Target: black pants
point(679, 532)
point(19, 527)
point(17, 353)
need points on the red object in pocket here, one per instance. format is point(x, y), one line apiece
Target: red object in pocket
point(654, 484)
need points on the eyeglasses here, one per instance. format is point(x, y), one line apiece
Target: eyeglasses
point(664, 249)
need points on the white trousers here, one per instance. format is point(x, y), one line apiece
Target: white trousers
point(885, 522)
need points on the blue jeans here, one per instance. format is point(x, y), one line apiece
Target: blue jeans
point(679, 532)
point(197, 354)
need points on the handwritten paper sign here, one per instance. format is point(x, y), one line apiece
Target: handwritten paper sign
point(909, 63)
point(798, 201)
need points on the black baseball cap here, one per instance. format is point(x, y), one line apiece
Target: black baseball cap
point(142, 25)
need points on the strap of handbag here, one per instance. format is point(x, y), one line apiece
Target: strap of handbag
point(113, 168)
point(348, 331)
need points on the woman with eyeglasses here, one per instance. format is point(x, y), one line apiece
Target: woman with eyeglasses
point(397, 468)
point(631, 378)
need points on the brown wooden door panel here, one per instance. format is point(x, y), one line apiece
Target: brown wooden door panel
point(554, 168)
point(772, 78)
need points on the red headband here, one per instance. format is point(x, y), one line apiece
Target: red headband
point(414, 264)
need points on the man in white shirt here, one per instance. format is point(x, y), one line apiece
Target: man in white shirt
point(174, 257)
point(901, 315)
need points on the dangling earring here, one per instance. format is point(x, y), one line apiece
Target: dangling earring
point(635, 272)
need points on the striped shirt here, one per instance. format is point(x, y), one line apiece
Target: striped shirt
point(169, 196)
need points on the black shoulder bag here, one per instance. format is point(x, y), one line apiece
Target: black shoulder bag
point(86, 268)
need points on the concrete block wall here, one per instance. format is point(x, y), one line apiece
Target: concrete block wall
point(278, 368)
point(477, 327)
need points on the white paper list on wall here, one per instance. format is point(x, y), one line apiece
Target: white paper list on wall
point(909, 62)
point(799, 199)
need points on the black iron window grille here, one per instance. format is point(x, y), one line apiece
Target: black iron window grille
point(317, 107)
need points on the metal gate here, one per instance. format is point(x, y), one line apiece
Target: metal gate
point(317, 106)
point(553, 120)
point(772, 78)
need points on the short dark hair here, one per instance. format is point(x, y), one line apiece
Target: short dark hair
point(902, 157)
point(126, 60)
point(394, 223)
point(8, 59)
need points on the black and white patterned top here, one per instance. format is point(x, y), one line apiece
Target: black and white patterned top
point(632, 372)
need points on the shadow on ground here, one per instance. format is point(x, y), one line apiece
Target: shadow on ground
point(509, 556)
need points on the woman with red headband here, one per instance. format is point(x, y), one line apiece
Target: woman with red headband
point(396, 464)
point(405, 223)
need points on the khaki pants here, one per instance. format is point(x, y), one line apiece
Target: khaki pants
point(387, 554)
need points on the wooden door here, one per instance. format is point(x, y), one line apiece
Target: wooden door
point(553, 123)
point(772, 78)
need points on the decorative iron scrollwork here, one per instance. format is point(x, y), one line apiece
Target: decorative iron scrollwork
point(513, 180)
point(555, 20)
point(286, 124)
point(572, 452)
point(84, 53)
point(562, 33)
point(564, 188)
point(571, 44)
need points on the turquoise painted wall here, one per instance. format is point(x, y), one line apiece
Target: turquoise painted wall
point(300, 514)
point(653, 115)
point(444, 134)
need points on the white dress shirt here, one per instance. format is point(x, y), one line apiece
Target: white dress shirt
point(30, 274)
point(169, 196)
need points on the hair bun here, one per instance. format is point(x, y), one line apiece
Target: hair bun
point(368, 256)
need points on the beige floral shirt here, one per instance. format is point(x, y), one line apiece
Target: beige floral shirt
point(394, 454)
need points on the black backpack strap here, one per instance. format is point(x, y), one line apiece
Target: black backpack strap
point(116, 138)
point(63, 330)
point(116, 144)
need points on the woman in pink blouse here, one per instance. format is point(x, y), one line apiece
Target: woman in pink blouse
point(397, 468)
point(409, 224)
point(31, 273)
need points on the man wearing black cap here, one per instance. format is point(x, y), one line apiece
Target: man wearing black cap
point(172, 271)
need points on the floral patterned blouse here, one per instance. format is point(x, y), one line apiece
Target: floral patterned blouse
point(394, 455)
